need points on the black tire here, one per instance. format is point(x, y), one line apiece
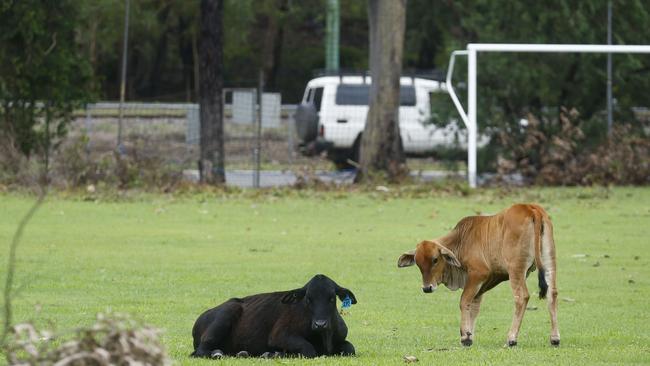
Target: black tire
point(342, 158)
point(356, 150)
point(306, 119)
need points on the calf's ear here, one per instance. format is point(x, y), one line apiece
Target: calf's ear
point(294, 296)
point(447, 255)
point(342, 292)
point(407, 259)
point(450, 258)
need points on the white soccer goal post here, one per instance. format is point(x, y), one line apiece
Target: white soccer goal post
point(473, 49)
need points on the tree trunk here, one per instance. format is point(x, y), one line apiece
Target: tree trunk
point(211, 162)
point(381, 146)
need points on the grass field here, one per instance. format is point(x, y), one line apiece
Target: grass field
point(165, 259)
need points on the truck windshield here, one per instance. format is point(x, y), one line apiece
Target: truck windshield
point(347, 94)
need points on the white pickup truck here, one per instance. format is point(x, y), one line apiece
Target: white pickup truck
point(332, 116)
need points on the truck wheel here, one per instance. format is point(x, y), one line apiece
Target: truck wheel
point(306, 120)
point(341, 162)
point(342, 158)
point(356, 150)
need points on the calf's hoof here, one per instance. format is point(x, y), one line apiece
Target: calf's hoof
point(242, 354)
point(272, 355)
point(555, 342)
point(466, 342)
point(216, 354)
point(347, 349)
point(512, 343)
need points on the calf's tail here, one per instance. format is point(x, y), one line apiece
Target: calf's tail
point(543, 286)
point(538, 224)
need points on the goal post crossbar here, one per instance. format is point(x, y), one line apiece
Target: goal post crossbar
point(469, 117)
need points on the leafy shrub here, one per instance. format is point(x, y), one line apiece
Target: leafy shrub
point(142, 164)
point(15, 167)
point(73, 165)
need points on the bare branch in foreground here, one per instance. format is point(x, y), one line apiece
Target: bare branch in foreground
point(11, 264)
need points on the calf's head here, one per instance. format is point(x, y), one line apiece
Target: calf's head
point(431, 257)
point(319, 297)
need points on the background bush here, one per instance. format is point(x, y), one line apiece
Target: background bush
point(560, 152)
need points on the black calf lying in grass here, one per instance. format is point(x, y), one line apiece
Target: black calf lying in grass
point(302, 322)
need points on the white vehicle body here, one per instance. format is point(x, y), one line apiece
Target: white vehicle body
point(342, 111)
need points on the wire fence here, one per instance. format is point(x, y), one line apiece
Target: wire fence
point(150, 132)
point(270, 143)
point(272, 140)
point(169, 134)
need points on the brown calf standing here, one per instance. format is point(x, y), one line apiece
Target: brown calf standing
point(483, 251)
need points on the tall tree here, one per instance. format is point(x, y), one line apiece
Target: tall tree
point(381, 144)
point(43, 76)
point(511, 85)
point(212, 161)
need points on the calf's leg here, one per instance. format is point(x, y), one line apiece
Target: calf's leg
point(550, 270)
point(293, 344)
point(344, 348)
point(473, 312)
point(472, 288)
point(521, 296)
point(552, 306)
point(222, 320)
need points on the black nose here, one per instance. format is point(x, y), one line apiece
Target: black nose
point(319, 324)
point(427, 290)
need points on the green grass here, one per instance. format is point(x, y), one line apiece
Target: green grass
point(165, 260)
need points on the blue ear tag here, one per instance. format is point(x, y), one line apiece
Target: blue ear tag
point(346, 305)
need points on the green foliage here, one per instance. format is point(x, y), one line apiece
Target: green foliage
point(512, 85)
point(165, 259)
point(163, 36)
point(43, 76)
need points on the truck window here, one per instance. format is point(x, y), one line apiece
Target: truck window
point(352, 94)
point(359, 95)
point(318, 97)
point(407, 96)
point(307, 97)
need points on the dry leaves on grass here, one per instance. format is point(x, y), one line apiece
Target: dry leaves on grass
point(113, 340)
point(410, 359)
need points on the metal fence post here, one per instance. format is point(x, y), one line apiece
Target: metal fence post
point(471, 111)
point(258, 131)
point(290, 143)
point(125, 46)
point(609, 70)
point(88, 128)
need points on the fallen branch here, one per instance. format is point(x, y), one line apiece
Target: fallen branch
point(11, 265)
